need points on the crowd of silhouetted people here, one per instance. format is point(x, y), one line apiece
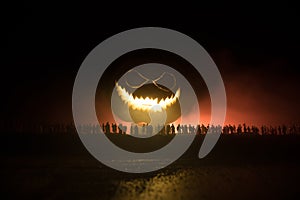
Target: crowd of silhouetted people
point(148, 130)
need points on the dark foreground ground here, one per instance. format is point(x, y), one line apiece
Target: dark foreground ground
point(239, 167)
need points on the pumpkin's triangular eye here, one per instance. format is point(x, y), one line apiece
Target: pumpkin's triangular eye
point(166, 79)
point(135, 79)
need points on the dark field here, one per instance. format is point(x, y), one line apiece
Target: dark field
point(239, 167)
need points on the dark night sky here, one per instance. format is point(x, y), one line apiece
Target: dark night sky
point(255, 48)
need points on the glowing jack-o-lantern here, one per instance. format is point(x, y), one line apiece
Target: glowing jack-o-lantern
point(151, 98)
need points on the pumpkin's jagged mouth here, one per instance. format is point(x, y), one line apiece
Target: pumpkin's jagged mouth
point(147, 103)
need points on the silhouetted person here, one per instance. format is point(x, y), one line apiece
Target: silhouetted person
point(191, 129)
point(279, 130)
point(172, 129)
point(124, 129)
point(272, 130)
point(255, 130)
point(178, 129)
point(114, 128)
point(143, 129)
point(239, 129)
point(103, 127)
point(120, 127)
point(136, 130)
point(244, 128)
point(234, 129)
point(263, 131)
point(198, 129)
point(248, 129)
point(185, 129)
point(212, 129)
point(226, 130)
point(231, 129)
point(168, 129)
point(284, 130)
point(107, 128)
point(203, 129)
point(149, 130)
point(131, 130)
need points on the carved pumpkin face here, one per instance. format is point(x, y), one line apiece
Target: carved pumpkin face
point(151, 98)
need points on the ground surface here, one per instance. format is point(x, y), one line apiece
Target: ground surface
point(239, 167)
